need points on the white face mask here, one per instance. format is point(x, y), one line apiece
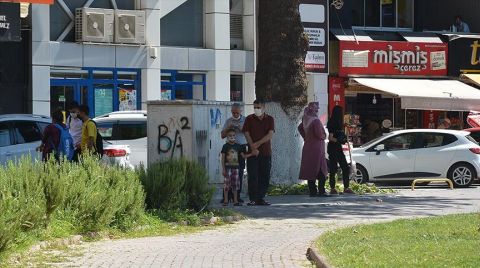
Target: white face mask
point(74, 115)
point(231, 139)
point(237, 118)
point(258, 112)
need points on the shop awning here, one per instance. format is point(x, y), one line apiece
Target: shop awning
point(426, 94)
point(473, 78)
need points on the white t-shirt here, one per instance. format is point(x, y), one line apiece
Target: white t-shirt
point(75, 128)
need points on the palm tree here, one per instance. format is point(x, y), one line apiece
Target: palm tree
point(281, 80)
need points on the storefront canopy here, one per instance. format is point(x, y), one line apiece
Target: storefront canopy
point(426, 94)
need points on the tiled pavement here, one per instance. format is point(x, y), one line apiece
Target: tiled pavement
point(275, 236)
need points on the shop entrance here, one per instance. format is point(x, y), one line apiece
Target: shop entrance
point(63, 92)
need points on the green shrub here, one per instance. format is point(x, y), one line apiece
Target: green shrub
point(90, 195)
point(176, 184)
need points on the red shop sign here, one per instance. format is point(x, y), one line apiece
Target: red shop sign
point(336, 92)
point(392, 58)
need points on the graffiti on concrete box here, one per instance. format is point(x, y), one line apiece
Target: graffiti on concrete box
point(170, 136)
point(215, 117)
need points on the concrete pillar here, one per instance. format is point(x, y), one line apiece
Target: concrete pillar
point(40, 84)
point(217, 37)
point(249, 92)
point(151, 78)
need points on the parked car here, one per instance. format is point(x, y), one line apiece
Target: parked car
point(126, 128)
point(21, 134)
point(420, 153)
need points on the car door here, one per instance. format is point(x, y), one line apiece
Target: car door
point(397, 160)
point(28, 137)
point(435, 154)
point(6, 143)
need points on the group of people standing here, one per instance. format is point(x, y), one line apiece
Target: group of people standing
point(249, 138)
point(314, 163)
point(81, 129)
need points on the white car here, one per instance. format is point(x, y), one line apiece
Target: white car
point(126, 128)
point(21, 134)
point(406, 155)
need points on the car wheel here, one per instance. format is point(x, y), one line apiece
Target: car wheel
point(462, 175)
point(361, 175)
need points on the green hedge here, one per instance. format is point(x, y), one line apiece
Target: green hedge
point(91, 194)
point(176, 184)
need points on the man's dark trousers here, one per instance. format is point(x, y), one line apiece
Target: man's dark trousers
point(258, 176)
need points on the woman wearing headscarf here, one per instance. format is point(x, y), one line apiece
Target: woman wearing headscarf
point(314, 165)
point(336, 138)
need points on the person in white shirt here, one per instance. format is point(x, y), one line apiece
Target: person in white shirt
point(74, 125)
point(460, 26)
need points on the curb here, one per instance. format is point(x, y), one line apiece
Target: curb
point(318, 260)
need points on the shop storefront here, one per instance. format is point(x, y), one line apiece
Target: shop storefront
point(386, 86)
point(178, 85)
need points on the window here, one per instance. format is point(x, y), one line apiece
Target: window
point(5, 139)
point(132, 130)
point(431, 140)
point(106, 130)
point(42, 126)
point(383, 13)
point(27, 131)
point(236, 88)
point(400, 142)
point(183, 26)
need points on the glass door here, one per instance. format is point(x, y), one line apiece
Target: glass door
point(61, 96)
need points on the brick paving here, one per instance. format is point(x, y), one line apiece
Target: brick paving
point(275, 236)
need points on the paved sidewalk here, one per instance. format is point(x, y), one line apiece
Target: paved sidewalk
point(275, 236)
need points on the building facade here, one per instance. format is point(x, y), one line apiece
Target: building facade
point(396, 63)
point(193, 49)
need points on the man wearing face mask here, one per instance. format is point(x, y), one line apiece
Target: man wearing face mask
point(236, 123)
point(74, 125)
point(258, 130)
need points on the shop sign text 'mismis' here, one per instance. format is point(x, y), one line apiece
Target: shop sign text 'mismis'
point(393, 58)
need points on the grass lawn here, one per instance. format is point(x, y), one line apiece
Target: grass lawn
point(447, 241)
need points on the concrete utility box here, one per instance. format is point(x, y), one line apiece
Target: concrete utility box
point(190, 129)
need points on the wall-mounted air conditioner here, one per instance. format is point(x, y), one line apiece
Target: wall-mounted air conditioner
point(130, 26)
point(94, 25)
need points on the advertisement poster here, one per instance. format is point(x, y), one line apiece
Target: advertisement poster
point(314, 16)
point(128, 99)
point(10, 22)
point(473, 119)
point(103, 101)
point(166, 94)
point(336, 92)
point(392, 58)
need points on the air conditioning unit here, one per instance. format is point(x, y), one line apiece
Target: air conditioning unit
point(94, 25)
point(130, 26)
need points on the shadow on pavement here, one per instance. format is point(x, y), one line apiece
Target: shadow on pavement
point(378, 207)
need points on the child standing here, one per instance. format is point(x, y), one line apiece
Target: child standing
point(230, 165)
